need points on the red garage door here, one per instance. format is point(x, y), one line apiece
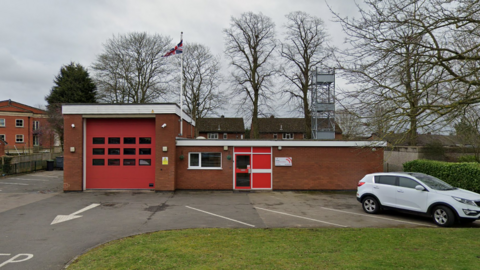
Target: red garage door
point(120, 153)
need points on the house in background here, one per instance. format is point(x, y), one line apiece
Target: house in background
point(286, 129)
point(220, 128)
point(24, 127)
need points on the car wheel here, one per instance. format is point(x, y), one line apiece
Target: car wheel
point(371, 205)
point(443, 216)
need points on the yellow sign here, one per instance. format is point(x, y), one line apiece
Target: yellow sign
point(164, 160)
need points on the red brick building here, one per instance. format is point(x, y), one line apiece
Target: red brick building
point(24, 127)
point(111, 146)
point(221, 128)
point(273, 128)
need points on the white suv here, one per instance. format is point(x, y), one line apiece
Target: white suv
point(418, 193)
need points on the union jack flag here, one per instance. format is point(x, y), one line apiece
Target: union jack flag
point(177, 50)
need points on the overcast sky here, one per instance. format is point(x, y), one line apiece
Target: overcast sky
point(38, 37)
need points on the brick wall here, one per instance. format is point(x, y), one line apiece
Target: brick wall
point(73, 162)
point(314, 168)
point(204, 179)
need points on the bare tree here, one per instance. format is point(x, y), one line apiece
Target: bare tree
point(201, 80)
point(131, 68)
point(303, 48)
point(351, 125)
point(250, 43)
point(391, 62)
point(468, 130)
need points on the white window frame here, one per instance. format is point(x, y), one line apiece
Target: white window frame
point(16, 138)
point(199, 167)
point(36, 125)
point(23, 123)
point(275, 136)
point(36, 140)
point(212, 136)
point(2, 122)
point(225, 136)
point(287, 136)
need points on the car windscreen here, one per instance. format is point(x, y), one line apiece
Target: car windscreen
point(433, 182)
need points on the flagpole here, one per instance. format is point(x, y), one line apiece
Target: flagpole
point(181, 90)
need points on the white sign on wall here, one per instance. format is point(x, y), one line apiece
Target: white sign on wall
point(283, 161)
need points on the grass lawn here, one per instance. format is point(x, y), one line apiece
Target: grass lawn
point(366, 248)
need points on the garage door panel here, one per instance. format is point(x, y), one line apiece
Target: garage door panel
point(120, 153)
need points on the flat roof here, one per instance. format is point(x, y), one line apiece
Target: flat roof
point(270, 143)
point(110, 110)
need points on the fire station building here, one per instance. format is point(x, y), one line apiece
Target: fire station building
point(143, 146)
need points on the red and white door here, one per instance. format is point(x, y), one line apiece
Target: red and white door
point(120, 154)
point(253, 168)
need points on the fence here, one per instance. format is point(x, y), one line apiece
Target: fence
point(11, 150)
point(29, 163)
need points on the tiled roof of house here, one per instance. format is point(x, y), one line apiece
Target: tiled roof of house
point(279, 125)
point(12, 106)
point(221, 124)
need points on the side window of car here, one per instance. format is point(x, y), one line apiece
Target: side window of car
point(407, 182)
point(385, 179)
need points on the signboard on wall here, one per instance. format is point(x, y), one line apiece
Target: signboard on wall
point(283, 161)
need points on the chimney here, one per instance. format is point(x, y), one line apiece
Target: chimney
point(272, 116)
point(222, 116)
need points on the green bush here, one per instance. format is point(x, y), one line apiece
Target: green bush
point(462, 175)
point(470, 158)
point(7, 165)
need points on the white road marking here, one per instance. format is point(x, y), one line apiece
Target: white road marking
point(372, 216)
point(63, 218)
point(19, 184)
point(302, 217)
point(220, 216)
point(12, 260)
point(25, 179)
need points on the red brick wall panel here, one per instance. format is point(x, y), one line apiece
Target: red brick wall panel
point(73, 162)
point(165, 137)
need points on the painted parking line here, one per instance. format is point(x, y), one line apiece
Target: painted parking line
point(220, 216)
point(372, 216)
point(316, 220)
point(18, 184)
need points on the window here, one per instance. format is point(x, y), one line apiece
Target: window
point(113, 140)
point(385, 179)
point(2, 136)
point(98, 151)
point(36, 125)
point(19, 123)
point(129, 162)
point(98, 162)
point(407, 182)
point(129, 140)
point(224, 136)
point(144, 151)
point(114, 162)
point(98, 140)
point(213, 135)
point(35, 140)
point(205, 160)
point(275, 136)
point(114, 151)
point(287, 136)
point(145, 140)
point(19, 138)
point(2, 122)
point(129, 151)
point(144, 162)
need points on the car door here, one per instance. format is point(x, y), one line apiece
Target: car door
point(385, 189)
point(408, 197)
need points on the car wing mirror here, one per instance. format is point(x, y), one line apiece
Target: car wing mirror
point(420, 188)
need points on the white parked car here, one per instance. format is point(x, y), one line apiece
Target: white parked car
point(420, 194)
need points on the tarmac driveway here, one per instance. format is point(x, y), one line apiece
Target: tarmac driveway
point(29, 204)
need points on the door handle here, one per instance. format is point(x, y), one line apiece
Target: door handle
point(249, 170)
point(399, 191)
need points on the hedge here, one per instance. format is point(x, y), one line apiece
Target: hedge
point(462, 175)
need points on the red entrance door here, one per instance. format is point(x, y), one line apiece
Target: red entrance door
point(120, 154)
point(242, 171)
point(253, 168)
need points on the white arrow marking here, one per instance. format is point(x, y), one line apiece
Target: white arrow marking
point(62, 218)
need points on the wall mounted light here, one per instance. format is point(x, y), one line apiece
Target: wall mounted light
point(73, 125)
point(279, 148)
point(164, 125)
point(225, 148)
point(374, 149)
